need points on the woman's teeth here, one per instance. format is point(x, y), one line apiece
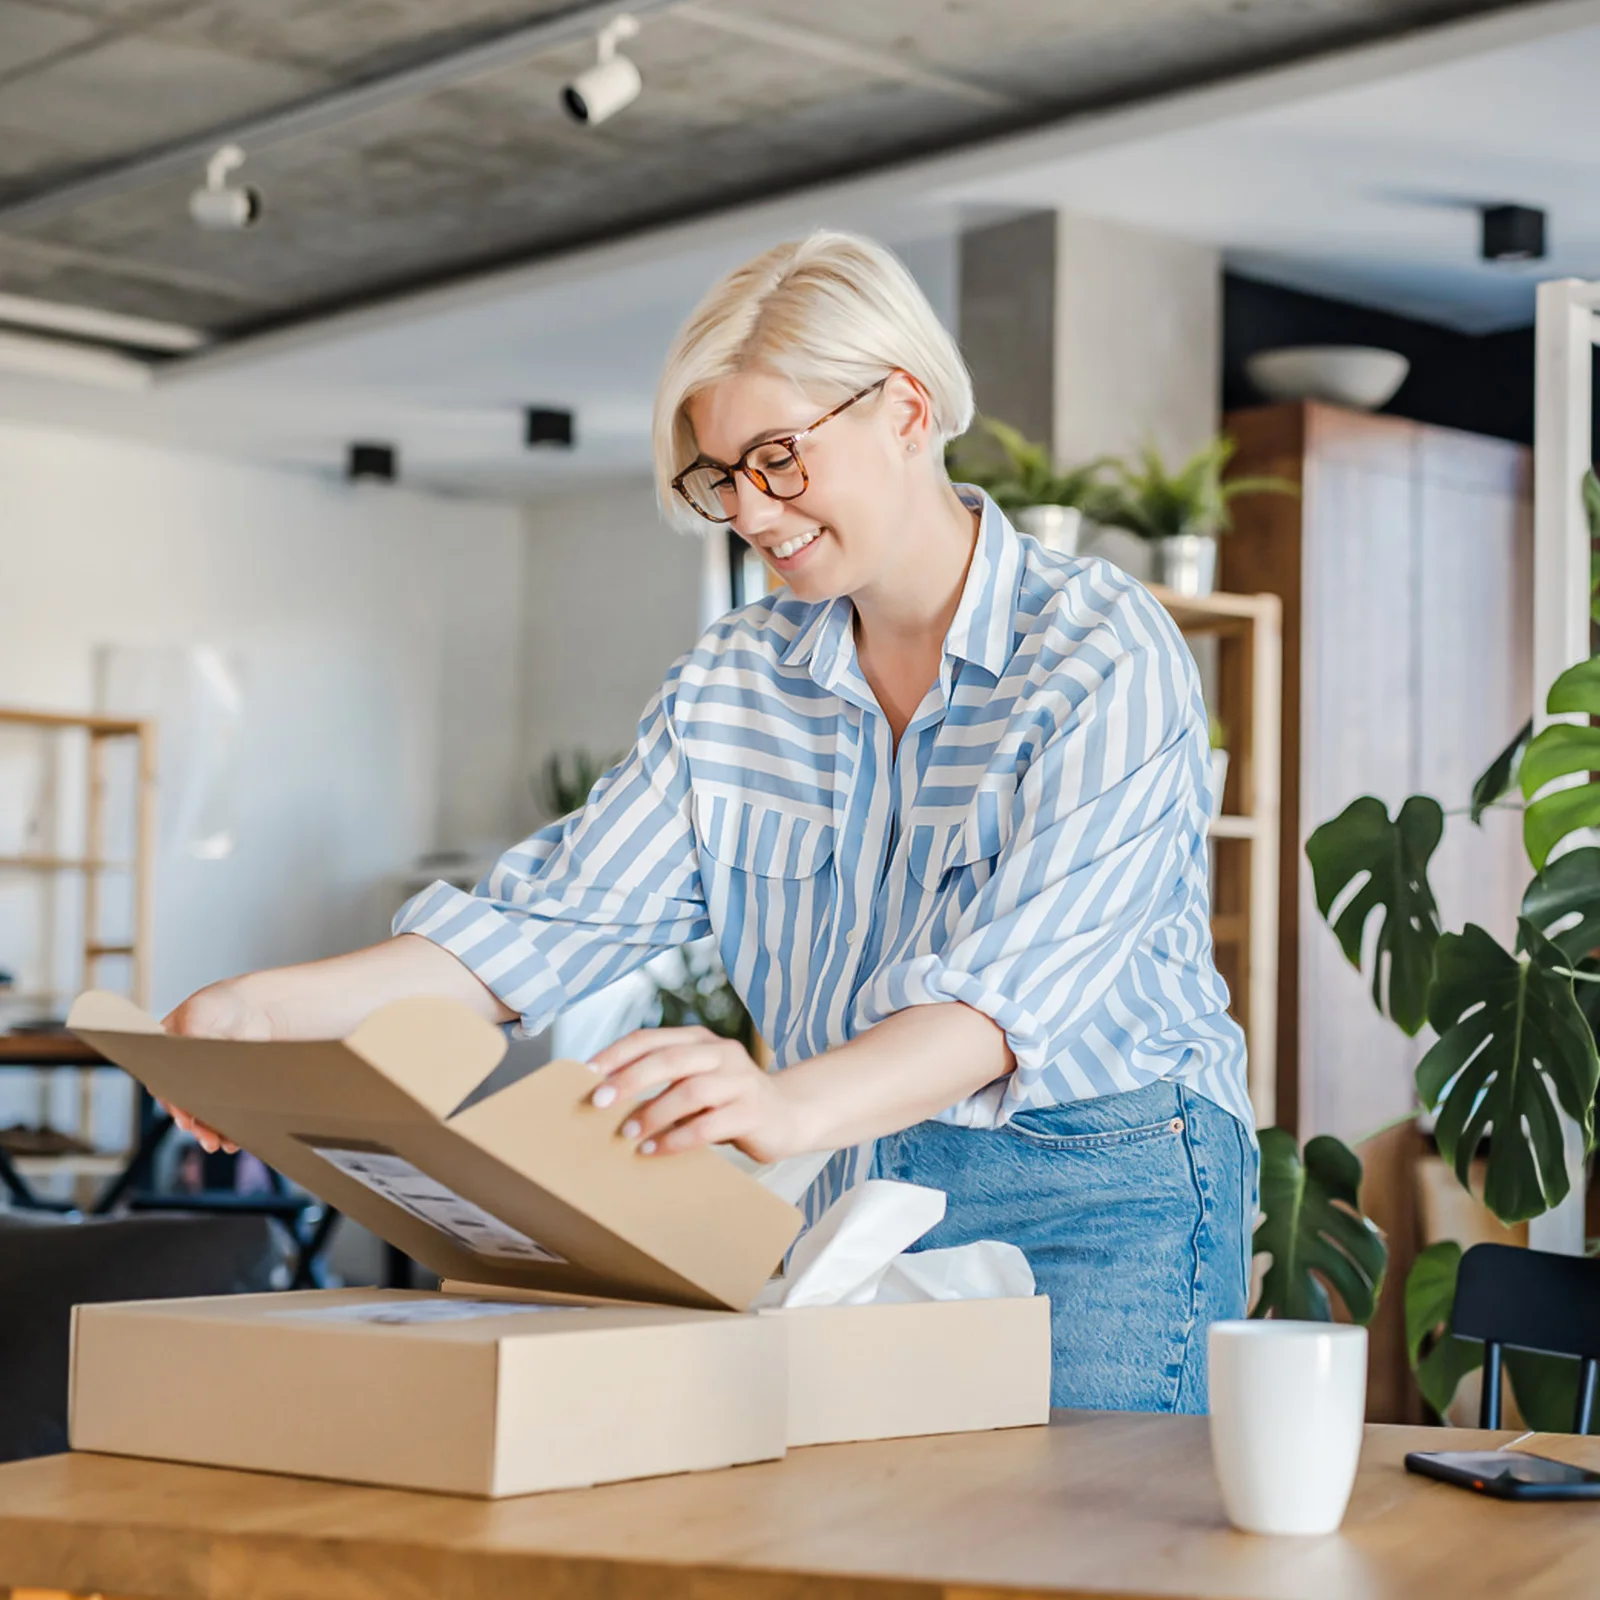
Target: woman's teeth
point(794, 546)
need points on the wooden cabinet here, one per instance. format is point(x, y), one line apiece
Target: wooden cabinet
point(1405, 570)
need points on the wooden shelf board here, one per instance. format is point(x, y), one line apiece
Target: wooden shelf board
point(98, 1165)
point(1210, 612)
point(104, 727)
point(1235, 828)
point(108, 950)
point(60, 864)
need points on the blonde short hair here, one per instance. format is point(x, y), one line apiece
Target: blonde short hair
point(832, 313)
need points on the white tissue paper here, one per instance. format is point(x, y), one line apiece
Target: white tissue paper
point(854, 1256)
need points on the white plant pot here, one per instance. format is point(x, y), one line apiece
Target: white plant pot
point(1055, 527)
point(1219, 779)
point(1187, 564)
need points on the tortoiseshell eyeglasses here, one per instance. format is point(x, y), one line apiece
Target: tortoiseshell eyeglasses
point(773, 466)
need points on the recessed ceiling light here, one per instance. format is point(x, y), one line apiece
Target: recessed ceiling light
point(547, 426)
point(1513, 233)
point(374, 463)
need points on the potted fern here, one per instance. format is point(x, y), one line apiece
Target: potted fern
point(1181, 513)
point(1020, 477)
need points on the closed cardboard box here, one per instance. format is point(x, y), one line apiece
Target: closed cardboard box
point(896, 1370)
point(421, 1391)
point(939, 1366)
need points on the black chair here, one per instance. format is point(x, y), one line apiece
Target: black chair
point(49, 1264)
point(1529, 1300)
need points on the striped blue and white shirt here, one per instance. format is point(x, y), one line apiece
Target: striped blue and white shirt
point(1036, 849)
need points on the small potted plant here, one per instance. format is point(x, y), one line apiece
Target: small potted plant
point(1219, 764)
point(563, 785)
point(1181, 513)
point(1022, 480)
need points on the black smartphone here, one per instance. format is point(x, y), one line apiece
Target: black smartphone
point(1507, 1474)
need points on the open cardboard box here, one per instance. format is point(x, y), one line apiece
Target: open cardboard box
point(525, 1200)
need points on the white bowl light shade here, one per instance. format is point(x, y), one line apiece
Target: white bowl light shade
point(1343, 375)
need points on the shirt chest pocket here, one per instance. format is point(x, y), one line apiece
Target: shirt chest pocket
point(759, 836)
point(940, 843)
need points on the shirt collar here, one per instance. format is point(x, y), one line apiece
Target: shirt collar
point(984, 626)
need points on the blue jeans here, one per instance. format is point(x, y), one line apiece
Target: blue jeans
point(1134, 1211)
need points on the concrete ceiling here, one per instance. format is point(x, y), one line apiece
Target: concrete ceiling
point(742, 99)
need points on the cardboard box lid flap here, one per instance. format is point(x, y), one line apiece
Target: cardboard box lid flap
point(527, 1187)
point(434, 1051)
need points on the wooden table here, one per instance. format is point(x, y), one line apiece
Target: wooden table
point(1094, 1505)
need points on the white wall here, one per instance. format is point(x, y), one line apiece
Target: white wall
point(377, 631)
point(611, 599)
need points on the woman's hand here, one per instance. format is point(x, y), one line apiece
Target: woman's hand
point(220, 1011)
point(711, 1093)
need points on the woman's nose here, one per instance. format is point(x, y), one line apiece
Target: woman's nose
point(756, 512)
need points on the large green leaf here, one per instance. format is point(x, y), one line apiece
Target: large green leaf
point(1430, 1293)
point(1393, 856)
point(1546, 1386)
point(1568, 887)
point(1500, 776)
point(1513, 1044)
point(1560, 751)
point(1312, 1228)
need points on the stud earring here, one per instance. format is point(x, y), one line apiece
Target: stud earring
point(911, 449)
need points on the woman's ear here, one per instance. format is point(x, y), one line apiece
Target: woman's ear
point(910, 410)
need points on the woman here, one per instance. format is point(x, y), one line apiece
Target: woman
point(941, 800)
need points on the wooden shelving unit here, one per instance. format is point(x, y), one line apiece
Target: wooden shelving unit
point(1248, 629)
point(93, 864)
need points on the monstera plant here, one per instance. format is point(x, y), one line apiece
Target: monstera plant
point(1515, 1028)
point(1313, 1231)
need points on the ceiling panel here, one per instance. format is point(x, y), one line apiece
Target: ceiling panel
point(491, 170)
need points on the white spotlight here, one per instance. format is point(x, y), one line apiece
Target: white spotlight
point(221, 205)
point(611, 83)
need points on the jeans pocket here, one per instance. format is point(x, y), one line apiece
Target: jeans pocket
point(1039, 1134)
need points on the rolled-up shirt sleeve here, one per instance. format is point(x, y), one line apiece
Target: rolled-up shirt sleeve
point(586, 900)
point(1107, 826)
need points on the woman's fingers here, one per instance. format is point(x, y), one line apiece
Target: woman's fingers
point(663, 1066)
point(721, 1125)
point(686, 1099)
point(640, 1043)
point(208, 1139)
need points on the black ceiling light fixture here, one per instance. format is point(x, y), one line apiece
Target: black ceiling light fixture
point(372, 463)
point(1513, 233)
point(547, 426)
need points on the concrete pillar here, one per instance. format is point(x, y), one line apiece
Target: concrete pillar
point(1006, 320)
point(1095, 336)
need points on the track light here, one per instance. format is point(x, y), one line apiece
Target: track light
point(611, 83)
point(222, 206)
point(1513, 233)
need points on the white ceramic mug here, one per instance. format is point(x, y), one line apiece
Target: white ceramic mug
point(1287, 1404)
